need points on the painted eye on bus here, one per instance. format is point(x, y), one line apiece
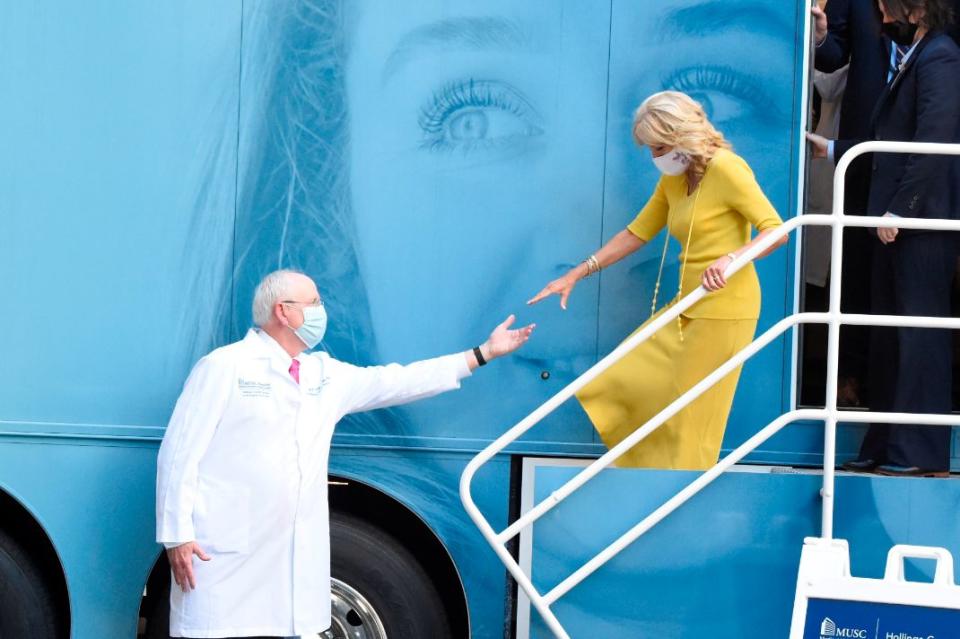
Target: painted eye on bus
point(477, 115)
point(726, 95)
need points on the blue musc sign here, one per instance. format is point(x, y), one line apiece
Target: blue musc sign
point(833, 619)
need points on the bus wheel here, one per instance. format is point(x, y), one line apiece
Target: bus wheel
point(379, 588)
point(26, 607)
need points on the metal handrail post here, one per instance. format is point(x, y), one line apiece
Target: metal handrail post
point(833, 355)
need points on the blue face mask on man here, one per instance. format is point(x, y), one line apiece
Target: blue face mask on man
point(314, 325)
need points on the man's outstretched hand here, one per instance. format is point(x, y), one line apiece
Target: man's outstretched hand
point(504, 340)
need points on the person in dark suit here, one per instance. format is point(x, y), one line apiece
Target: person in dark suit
point(848, 32)
point(911, 368)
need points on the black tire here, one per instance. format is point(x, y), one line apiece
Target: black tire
point(388, 576)
point(155, 608)
point(27, 608)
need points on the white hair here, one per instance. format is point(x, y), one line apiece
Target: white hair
point(273, 288)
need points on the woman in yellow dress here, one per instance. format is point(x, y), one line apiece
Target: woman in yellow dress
point(708, 199)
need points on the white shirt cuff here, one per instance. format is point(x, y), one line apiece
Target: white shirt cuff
point(462, 368)
point(830, 150)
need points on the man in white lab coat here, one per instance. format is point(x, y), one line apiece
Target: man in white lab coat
point(242, 472)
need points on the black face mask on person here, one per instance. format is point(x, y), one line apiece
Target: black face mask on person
point(900, 31)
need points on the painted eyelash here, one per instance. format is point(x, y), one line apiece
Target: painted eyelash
point(464, 94)
point(725, 79)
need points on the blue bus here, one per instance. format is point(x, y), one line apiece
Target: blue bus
point(430, 165)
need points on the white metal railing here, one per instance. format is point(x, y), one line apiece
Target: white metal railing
point(829, 415)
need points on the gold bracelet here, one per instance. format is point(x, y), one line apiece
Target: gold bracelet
point(593, 265)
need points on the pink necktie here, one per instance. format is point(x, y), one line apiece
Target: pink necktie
point(295, 370)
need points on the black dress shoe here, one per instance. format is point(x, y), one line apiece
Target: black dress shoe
point(893, 470)
point(859, 465)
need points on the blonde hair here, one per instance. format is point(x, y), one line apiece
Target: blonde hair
point(675, 119)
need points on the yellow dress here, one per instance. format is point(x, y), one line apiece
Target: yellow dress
point(717, 218)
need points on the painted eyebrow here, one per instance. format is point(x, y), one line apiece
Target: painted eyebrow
point(466, 33)
point(702, 19)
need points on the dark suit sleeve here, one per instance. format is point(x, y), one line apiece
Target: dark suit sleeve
point(834, 52)
point(938, 112)
point(840, 147)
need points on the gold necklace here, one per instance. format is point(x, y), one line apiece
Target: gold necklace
point(686, 252)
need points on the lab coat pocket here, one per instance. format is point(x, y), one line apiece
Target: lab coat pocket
point(222, 517)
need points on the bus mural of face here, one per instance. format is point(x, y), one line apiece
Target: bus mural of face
point(480, 134)
point(470, 125)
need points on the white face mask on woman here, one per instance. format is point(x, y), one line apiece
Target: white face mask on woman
point(672, 162)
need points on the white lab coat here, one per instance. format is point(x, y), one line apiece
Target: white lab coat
point(243, 471)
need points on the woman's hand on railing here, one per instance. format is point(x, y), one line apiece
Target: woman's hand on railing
point(561, 286)
point(712, 278)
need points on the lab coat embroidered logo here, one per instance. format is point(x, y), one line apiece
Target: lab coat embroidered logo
point(251, 388)
point(317, 389)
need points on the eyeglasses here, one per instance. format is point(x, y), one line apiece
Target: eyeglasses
point(316, 302)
